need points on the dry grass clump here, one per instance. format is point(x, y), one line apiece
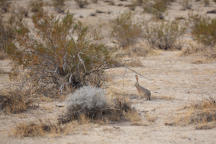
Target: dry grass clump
point(6, 37)
point(186, 4)
point(35, 129)
point(15, 101)
point(36, 6)
point(199, 114)
point(134, 63)
point(156, 7)
point(204, 30)
point(207, 52)
point(163, 35)
point(4, 6)
point(82, 3)
point(125, 30)
point(91, 103)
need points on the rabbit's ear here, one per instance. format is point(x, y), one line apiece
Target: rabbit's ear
point(136, 78)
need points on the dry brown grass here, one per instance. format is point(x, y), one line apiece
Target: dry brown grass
point(150, 117)
point(134, 63)
point(16, 101)
point(35, 129)
point(202, 114)
point(207, 52)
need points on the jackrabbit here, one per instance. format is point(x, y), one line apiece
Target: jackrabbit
point(143, 92)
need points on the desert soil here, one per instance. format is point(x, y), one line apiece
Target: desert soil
point(174, 80)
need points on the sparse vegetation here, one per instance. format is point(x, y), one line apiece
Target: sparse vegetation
point(186, 4)
point(4, 6)
point(82, 3)
point(198, 114)
point(35, 129)
point(15, 100)
point(204, 30)
point(163, 35)
point(125, 30)
point(156, 7)
point(36, 6)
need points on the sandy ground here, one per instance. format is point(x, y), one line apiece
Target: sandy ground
point(174, 81)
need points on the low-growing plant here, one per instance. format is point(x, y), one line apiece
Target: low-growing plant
point(206, 2)
point(15, 100)
point(4, 5)
point(186, 4)
point(6, 38)
point(82, 3)
point(204, 30)
point(163, 35)
point(156, 7)
point(93, 104)
point(35, 129)
point(198, 114)
point(125, 30)
point(58, 3)
point(36, 6)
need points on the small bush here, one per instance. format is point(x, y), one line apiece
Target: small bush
point(6, 37)
point(156, 7)
point(15, 101)
point(4, 5)
point(93, 104)
point(163, 35)
point(36, 6)
point(206, 2)
point(58, 3)
point(35, 129)
point(186, 4)
point(125, 30)
point(204, 30)
point(82, 3)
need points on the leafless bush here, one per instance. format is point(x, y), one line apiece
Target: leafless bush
point(163, 35)
point(93, 104)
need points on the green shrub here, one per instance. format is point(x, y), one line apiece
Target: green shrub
point(163, 35)
point(63, 54)
point(125, 30)
point(204, 30)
